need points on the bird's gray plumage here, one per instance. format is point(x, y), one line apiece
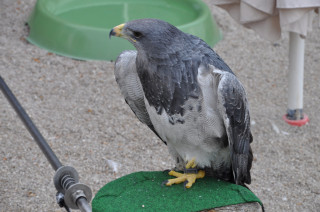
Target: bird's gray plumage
point(179, 87)
point(130, 86)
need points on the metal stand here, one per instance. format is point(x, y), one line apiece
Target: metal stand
point(295, 114)
point(71, 193)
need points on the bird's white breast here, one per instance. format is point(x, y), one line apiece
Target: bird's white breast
point(202, 124)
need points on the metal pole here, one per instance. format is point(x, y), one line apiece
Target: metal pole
point(296, 69)
point(83, 204)
point(52, 158)
point(295, 115)
point(71, 193)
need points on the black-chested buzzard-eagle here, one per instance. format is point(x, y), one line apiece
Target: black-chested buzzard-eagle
point(189, 97)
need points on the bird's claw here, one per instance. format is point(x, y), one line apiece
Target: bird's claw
point(166, 171)
point(191, 173)
point(164, 183)
point(191, 164)
point(188, 179)
point(185, 184)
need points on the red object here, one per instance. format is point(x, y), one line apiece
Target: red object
point(298, 123)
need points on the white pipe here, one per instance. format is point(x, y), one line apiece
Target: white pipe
point(296, 69)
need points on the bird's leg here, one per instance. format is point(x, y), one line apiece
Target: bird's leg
point(189, 176)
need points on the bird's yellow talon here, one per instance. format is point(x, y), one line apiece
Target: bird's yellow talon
point(191, 164)
point(201, 174)
point(176, 181)
point(188, 178)
point(174, 173)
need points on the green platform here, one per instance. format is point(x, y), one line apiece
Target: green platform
point(142, 191)
point(80, 28)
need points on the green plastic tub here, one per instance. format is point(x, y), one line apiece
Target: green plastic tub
point(79, 28)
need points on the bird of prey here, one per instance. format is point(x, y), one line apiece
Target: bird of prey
point(189, 97)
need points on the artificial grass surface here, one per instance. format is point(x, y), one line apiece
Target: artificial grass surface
point(142, 191)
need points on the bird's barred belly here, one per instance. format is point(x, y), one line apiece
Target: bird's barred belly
point(196, 134)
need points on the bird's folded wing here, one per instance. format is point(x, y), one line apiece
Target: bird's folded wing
point(234, 110)
point(130, 86)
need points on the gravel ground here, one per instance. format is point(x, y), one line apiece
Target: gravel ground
point(78, 108)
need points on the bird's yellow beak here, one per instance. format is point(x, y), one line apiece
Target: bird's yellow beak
point(117, 31)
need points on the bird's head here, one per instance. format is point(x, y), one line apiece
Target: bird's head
point(147, 34)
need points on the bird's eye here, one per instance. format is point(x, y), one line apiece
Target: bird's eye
point(137, 34)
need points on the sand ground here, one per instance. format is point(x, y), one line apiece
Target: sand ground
point(78, 108)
